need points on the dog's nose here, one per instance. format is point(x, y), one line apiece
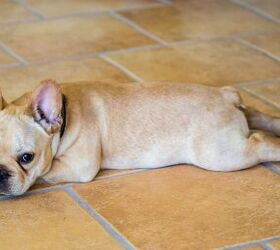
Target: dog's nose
point(4, 174)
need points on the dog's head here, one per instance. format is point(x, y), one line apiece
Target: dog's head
point(29, 135)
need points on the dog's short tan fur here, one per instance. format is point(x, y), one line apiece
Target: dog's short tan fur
point(128, 126)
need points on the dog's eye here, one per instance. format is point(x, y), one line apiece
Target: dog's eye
point(25, 158)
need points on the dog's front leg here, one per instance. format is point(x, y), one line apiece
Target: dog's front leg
point(69, 169)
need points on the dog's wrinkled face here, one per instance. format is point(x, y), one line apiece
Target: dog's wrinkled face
point(28, 129)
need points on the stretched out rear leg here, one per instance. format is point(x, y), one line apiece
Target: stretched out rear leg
point(257, 148)
point(262, 121)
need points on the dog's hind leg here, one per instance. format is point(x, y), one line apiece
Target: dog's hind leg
point(246, 152)
point(262, 121)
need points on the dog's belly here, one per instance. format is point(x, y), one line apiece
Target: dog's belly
point(157, 154)
point(147, 130)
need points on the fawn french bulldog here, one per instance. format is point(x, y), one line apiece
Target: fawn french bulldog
point(67, 133)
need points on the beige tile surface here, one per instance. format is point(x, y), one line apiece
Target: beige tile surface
point(271, 7)
point(219, 62)
point(50, 221)
point(11, 11)
point(251, 101)
point(186, 207)
point(64, 7)
point(269, 91)
point(51, 39)
point(5, 59)
point(269, 42)
point(23, 79)
point(198, 19)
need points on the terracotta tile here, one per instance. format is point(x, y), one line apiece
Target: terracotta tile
point(275, 244)
point(269, 42)
point(50, 221)
point(10, 11)
point(251, 101)
point(271, 7)
point(5, 59)
point(16, 81)
point(69, 37)
point(187, 207)
point(198, 19)
point(220, 62)
point(269, 91)
point(64, 7)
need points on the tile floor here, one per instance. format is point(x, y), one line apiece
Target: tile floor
point(215, 42)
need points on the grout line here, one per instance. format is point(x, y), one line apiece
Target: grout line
point(81, 13)
point(132, 49)
point(255, 47)
point(257, 82)
point(137, 28)
point(261, 98)
point(34, 192)
point(166, 2)
point(120, 174)
point(27, 7)
point(270, 166)
point(270, 247)
point(255, 10)
point(12, 54)
point(18, 21)
point(90, 55)
point(100, 219)
point(71, 184)
point(121, 68)
point(139, 7)
point(6, 66)
point(255, 243)
point(265, 246)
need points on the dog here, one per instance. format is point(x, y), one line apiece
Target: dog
point(68, 132)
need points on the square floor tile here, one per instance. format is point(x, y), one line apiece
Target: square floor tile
point(5, 59)
point(271, 7)
point(216, 63)
point(269, 42)
point(11, 11)
point(53, 39)
point(16, 81)
point(198, 19)
point(50, 221)
point(268, 91)
point(64, 7)
point(186, 207)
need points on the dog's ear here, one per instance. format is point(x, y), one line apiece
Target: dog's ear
point(46, 105)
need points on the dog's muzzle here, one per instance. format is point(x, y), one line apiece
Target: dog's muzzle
point(4, 179)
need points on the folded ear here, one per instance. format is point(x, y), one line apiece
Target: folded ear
point(46, 106)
